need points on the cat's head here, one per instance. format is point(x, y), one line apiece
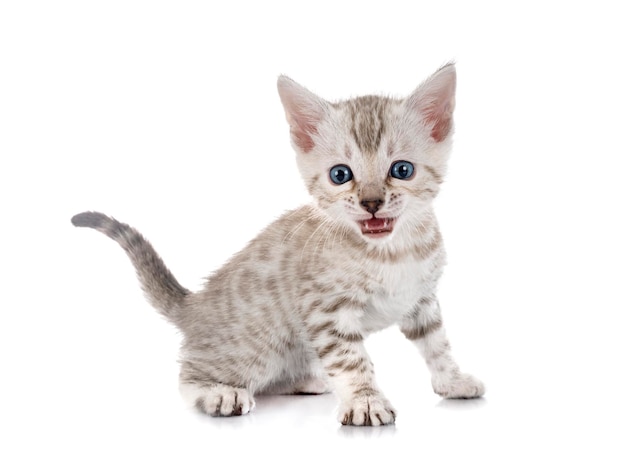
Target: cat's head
point(373, 163)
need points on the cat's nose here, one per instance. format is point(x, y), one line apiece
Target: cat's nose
point(371, 205)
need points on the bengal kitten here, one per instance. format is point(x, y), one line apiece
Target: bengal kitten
point(289, 313)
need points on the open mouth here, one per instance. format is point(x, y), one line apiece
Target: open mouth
point(376, 228)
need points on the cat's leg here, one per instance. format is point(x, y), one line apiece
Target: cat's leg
point(211, 397)
point(424, 328)
point(349, 369)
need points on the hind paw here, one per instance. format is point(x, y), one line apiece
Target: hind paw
point(218, 399)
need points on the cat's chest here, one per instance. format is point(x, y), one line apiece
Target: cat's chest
point(394, 292)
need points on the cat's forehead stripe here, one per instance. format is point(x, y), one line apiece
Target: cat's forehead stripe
point(367, 121)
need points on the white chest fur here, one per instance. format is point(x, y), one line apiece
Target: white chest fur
point(396, 291)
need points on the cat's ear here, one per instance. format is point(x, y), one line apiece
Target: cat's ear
point(433, 100)
point(304, 112)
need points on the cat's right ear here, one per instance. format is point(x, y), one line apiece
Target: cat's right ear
point(304, 112)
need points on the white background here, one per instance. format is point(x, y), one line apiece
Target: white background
point(165, 115)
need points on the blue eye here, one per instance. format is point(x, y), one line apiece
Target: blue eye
point(340, 174)
point(401, 170)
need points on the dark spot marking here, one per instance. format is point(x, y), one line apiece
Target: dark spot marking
point(366, 390)
point(434, 173)
point(347, 365)
point(420, 331)
point(340, 364)
point(315, 331)
point(351, 337)
point(354, 365)
point(343, 302)
point(327, 349)
point(322, 288)
point(424, 251)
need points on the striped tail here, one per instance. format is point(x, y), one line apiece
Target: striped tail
point(159, 285)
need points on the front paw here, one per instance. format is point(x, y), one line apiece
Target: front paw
point(367, 411)
point(460, 386)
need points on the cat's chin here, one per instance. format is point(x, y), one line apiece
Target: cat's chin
point(375, 228)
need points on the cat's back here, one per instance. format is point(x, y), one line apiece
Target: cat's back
point(266, 261)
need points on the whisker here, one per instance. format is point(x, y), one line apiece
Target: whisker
point(293, 231)
point(319, 227)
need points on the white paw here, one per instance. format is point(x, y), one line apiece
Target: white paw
point(219, 399)
point(460, 386)
point(367, 411)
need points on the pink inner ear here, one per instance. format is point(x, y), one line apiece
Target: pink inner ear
point(304, 112)
point(302, 130)
point(434, 100)
point(440, 118)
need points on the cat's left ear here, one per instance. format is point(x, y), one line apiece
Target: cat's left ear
point(434, 101)
point(304, 111)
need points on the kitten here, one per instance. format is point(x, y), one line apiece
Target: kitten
point(289, 313)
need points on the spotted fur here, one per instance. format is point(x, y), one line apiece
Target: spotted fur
point(290, 312)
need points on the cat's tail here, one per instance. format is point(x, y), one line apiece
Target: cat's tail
point(159, 285)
